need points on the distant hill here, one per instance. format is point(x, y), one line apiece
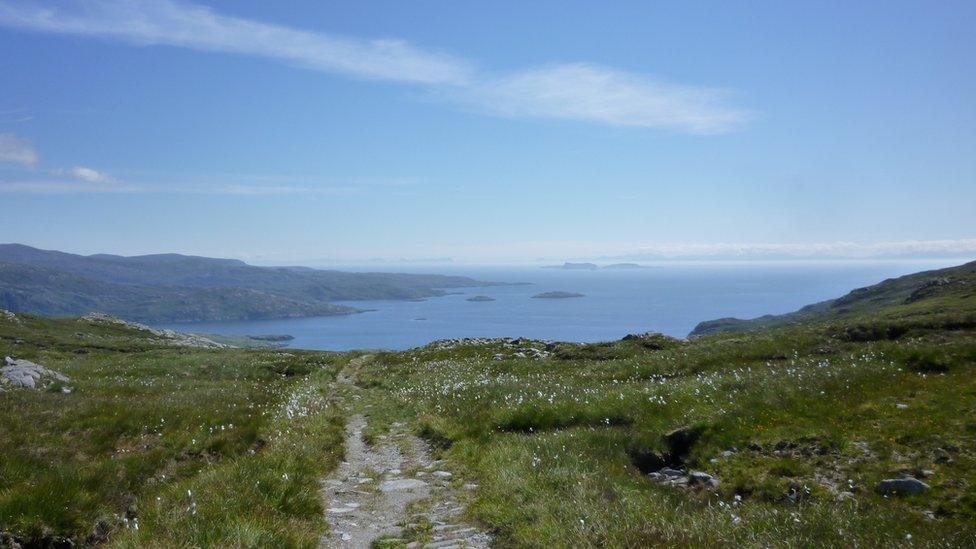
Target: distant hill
point(176, 288)
point(574, 266)
point(897, 296)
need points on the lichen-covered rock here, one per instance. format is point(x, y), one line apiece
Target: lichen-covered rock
point(24, 373)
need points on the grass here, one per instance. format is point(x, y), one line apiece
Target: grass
point(788, 420)
point(161, 446)
point(164, 446)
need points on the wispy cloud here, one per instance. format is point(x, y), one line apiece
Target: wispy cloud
point(165, 22)
point(818, 250)
point(62, 186)
point(80, 180)
point(16, 150)
point(92, 176)
point(599, 94)
point(574, 91)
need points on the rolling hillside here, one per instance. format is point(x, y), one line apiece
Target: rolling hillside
point(895, 297)
point(174, 288)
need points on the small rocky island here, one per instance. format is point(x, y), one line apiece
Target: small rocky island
point(574, 266)
point(557, 295)
point(480, 298)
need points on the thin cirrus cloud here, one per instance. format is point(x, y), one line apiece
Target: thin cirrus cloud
point(16, 150)
point(90, 175)
point(573, 91)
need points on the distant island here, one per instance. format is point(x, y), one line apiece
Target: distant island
point(557, 295)
point(574, 266)
point(569, 266)
point(480, 298)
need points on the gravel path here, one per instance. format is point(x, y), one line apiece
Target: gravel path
point(382, 488)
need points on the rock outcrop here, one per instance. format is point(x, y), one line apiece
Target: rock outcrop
point(167, 337)
point(26, 374)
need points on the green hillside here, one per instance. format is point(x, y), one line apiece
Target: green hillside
point(893, 298)
point(178, 288)
point(777, 436)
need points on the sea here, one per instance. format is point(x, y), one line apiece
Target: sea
point(667, 297)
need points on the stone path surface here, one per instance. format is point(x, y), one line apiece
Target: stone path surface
point(381, 489)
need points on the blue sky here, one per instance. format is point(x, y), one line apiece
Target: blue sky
point(501, 131)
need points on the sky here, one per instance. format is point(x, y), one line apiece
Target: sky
point(488, 132)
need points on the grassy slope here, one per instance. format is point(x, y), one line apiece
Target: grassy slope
point(805, 412)
point(789, 417)
point(952, 284)
point(55, 293)
point(201, 447)
point(172, 287)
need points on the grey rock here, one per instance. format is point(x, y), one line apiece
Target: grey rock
point(401, 484)
point(843, 496)
point(669, 472)
point(24, 373)
point(901, 486)
point(700, 478)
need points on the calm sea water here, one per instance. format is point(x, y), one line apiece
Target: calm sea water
point(668, 298)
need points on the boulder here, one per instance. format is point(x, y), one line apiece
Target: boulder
point(24, 373)
point(700, 478)
point(905, 486)
point(669, 472)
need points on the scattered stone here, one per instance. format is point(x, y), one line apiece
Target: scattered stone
point(901, 406)
point(669, 472)
point(7, 315)
point(519, 347)
point(24, 373)
point(442, 474)
point(844, 496)
point(700, 478)
point(401, 484)
point(901, 486)
point(652, 340)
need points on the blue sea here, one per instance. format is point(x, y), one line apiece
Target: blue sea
point(668, 297)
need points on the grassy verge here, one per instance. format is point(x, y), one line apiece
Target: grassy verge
point(164, 446)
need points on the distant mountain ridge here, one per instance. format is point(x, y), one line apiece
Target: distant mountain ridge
point(176, 288)
point(894, 296)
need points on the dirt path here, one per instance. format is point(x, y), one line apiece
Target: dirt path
point(382, 489)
